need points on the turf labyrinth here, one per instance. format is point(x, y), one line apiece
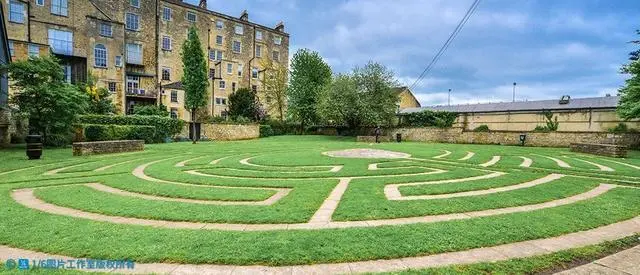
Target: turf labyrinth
point(312, 203)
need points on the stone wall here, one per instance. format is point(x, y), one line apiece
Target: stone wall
point(371, 139)
point(552, 139)
point(107, 147)
point(608, 150)
point(226, 131)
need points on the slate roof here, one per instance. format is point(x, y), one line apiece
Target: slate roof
point(175, 85)
point(609, 102)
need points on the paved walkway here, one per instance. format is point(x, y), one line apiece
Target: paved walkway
point(486, 254)
point(625, 263)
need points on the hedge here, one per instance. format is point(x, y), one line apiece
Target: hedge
point(165, 127)
point(428, 118)
point(97, 132)
point(266, 131)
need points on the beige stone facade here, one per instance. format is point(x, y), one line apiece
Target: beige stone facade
point(226, 132)
point(133, 47)
point(406, 98)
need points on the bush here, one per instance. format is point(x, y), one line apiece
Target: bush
point(428, 118)
point(151, 110)
point(266, 131)
point(165, 127)
point(541, 129)
point(283, 128)
point(621, 128)
point(96, 132)
point(482, 128)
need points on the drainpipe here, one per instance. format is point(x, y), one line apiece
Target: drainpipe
point(29, 22)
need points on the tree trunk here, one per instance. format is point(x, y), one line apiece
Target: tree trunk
point(193, 125)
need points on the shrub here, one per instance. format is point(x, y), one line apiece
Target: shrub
point(482, 128)
point(151, 110)
point(97, 132)
point(266, 131)
point(552, 123)
point(283, 128)
point(541, 129)
point(622, 128)
point(428, 118)
point(165, 127)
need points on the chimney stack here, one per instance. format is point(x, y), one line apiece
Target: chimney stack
point(244, 16)
point(203, 4)
point(280, 27)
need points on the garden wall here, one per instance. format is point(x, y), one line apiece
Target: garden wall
point(107, 147)
point(552, 139)
point(226, 131)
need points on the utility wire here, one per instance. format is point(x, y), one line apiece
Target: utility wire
point(444, 47)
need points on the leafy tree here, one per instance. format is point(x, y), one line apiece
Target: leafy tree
point(100, 102)
point(309, 76)
point(629, 106)
point(275, 86)
point(341, 103)
point(151, 110)
point(43, 96)
point(242, 104)
point(194, 79)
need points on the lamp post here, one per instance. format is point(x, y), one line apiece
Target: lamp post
point(449, 98)
point(514, 92)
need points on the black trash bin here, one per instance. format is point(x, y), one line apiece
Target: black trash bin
point(399, 137)
point(34, 146)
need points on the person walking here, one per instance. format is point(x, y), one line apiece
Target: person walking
point(378, 131)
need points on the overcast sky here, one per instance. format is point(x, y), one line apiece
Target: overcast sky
point(549, 47)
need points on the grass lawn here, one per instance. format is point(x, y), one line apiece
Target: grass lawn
point(255, 171)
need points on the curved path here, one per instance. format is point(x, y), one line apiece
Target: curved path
point(526, 162)
point(491, 162)
point(446, 153)
point(392, 192)
point(468, 156)
point(559, 162)
point(334, 168)
point(600, 166)
point(27, 198)
point(486, 254)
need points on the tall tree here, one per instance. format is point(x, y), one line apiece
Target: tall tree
point(629, 105)
point(274, 83)
point(194, 78)
point(309, 76)
point(43, 96)
point(242, 104)
point(99, 98)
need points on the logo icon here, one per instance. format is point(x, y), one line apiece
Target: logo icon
point(10, 264)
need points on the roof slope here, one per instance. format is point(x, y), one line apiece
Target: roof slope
point(608, 102)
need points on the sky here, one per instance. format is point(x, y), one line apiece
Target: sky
point(549, 48)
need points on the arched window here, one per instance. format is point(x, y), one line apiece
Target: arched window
point(100, 53)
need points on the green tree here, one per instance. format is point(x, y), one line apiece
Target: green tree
point(194, 79)
point(242, 104)
point(274, 83)
point(151, 110)
point(42, 95)
point(341, 103)
point(100, 102)
point(629, 105)
point(309, 76)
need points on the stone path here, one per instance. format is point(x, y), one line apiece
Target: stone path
point(624, 263)
point(491, 162)
point(468, 156)
point(446, 153)
point(333, 168)
point(392, 192)
point(600, 166)
point(366, 153)
point(559, 162)
point(526, 162)
point(322, 220)
point(486, 254)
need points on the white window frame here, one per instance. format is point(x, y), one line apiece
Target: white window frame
point(34, 50)
point(106, 29)
point(219, 24)
point(100, 56)
point(12, 49)
point(115, 87)
point(258, 51)
point(238, 29)
point(134, 3)
point(15, 16)
point(171, 96)
point(60, 7)
point(174, 113)
point(118, 61)
point(254, 73)
point(166, 11)
point(166, 47)
point(40, 2)
point(239, 48)
point(219, 55)
point(277, 40)
point(168, 71)
point(135, 59)
point(219, 39)
point(135, 84)
point(259, 35)
point(60, 41)
point(275, 55)
point(240, 69)
point(132, 16)
point(195, 16)
point(222, 84)
point(229, 68)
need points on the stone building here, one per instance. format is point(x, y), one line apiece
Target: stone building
point(406, 99)
point(596, 114)
point(5, 58)
point(132, 47)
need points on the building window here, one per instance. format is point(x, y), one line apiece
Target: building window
point(100, 55)
point(112, 87)
point(174, 96)
point(258, 35)
point(134, 53)
point(166, 74)
point(134, 3)
point(133, 84)
point(12, 50)
point(219, 39)
point(233, 86)
point(60, 7)
point(237, 46)
point(16, 12)
point(166, 14)
point(254, 88)
point(240, 68)
point(166, 43)
point(40, 2)
point(221, 101)
point(277, 40)
point(212, 73)
point(132, 21)
point(219, 24)
point(229, 68)
point(61, 42)
point(239, 29)
point(254, 73)
point(118, 61)
point(258, 51)
point(222, 85)
point(106, 29)
point(34, 50)
point(174, 113)
point(192, 17)
point(276, 55)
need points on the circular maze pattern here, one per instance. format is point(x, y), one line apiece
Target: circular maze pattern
point(332, 207)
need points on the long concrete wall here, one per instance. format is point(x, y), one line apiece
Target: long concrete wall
point(570, 121)
point(552, 139)
point(226, 131)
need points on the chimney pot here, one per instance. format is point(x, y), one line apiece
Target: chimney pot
point(244, 16)
point(280, 27)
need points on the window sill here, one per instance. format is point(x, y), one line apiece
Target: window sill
point(100, 67)
point(15, 22)
point(167, 50)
